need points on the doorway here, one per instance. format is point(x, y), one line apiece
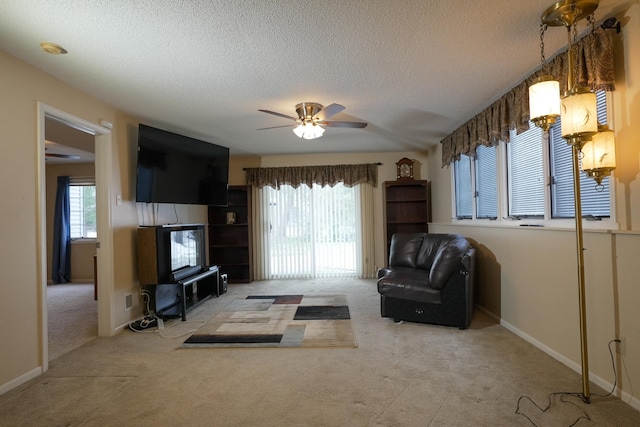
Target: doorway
point(102, 144)
point(71, 307)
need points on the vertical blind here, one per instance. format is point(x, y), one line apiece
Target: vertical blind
point(310, 232)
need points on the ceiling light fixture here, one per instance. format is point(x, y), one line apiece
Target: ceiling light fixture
point(309, 127)
point(308, 130)
point(52, 48)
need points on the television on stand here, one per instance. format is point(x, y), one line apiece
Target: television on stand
point(172, 269)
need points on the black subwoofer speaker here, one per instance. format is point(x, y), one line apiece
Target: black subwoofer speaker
point(222, 284)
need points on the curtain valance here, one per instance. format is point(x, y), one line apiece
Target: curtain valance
point(595, 69)
point(330, 175)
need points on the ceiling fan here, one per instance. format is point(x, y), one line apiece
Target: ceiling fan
point(62, 156)
point(311, 119)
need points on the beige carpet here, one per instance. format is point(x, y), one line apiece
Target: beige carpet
point(399, 375)
point(280, 321)
point(72, 317)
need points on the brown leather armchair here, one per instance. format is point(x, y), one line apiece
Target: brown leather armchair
point(430, 279)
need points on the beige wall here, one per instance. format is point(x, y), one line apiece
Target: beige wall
point(81, 252)
point(528, 277)
point(21, 290)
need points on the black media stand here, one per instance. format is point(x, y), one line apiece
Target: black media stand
point(172, 268)
point(185, 293)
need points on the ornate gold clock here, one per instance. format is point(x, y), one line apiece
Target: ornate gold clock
point(404, 168)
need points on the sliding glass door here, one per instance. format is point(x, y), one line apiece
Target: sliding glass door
point(311, 232)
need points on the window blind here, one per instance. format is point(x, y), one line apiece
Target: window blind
point(594, 202)
point(526, 173)
point(464, 195)
point(486, 182)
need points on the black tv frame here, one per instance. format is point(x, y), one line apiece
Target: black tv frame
point(173, 168)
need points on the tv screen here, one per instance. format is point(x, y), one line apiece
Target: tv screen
point(185, 248)
point(173, 168)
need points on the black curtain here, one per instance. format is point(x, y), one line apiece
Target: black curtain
point(61, 266)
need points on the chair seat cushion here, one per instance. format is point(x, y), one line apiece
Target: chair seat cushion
point(409, 283)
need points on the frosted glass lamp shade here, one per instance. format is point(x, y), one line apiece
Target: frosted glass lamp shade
point(579, 115)
point(544, 98)
point(308, 131)
point(599, 154)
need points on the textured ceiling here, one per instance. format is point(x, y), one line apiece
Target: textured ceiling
point(414, 70)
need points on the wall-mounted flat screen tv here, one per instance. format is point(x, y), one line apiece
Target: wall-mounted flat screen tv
point(172, 168)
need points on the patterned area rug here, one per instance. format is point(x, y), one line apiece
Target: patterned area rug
point(279, 321)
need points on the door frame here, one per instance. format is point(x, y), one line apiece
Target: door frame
point(104, 244)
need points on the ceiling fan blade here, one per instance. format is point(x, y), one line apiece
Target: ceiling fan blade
point(279, 114)
point(335, 124)
point(62, 156)
point(275, 127)
point(328, 111)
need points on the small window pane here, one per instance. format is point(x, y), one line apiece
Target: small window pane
point(526, 173)
point(82, 203)
point(464, 195)
point(486, 182)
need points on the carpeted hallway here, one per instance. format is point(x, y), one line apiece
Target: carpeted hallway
point(398, 375)
point(72, 315)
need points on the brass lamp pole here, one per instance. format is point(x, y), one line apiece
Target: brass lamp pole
point(579, 124)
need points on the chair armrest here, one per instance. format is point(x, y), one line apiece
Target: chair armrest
point(383, 272)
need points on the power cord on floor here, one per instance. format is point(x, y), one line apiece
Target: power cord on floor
point(150, 323)
point(148, 320)
point(564, 394)
point(144, 324)
point(200, 324)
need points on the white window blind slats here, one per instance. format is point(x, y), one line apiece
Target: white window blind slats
point(525, 174)
point(82, 211)
point(464, 192)
point(486, 182)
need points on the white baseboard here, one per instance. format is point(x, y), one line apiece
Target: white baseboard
point(20, 380)
point(488, 313)
point(624, 396)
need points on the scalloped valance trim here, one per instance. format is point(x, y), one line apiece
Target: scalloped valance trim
point(330, 175)
point(511, 112)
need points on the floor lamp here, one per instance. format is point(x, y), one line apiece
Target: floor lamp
point(578, 112)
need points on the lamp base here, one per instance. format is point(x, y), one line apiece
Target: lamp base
point(545, 122)
point(578, 139)
point(598, 174)
point(585, 399)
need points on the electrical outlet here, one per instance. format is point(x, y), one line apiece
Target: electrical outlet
point(621, 347)
point(128, 302)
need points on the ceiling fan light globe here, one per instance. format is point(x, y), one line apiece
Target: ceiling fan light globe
point(308, 131)
point(299, 130)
